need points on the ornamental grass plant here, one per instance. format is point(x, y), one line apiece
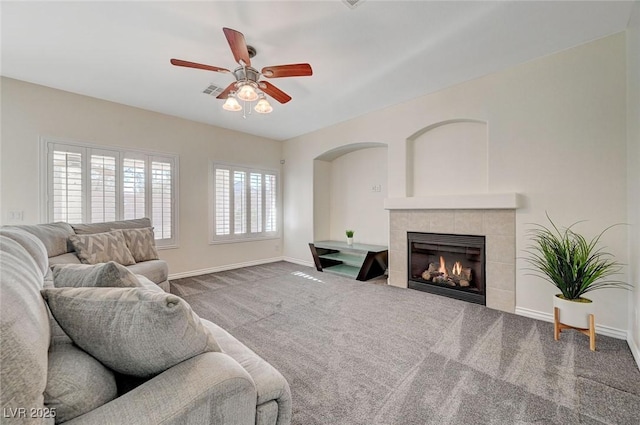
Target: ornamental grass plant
point(570, 262)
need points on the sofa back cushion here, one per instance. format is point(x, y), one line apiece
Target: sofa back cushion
point(53, 235)
point(31, 243)
point(24, 332)
point(90, 228)
point(133, 331)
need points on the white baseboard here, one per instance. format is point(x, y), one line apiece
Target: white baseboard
point(548, 317)
point(634, 349)
point(299, 262)
point(224, 268)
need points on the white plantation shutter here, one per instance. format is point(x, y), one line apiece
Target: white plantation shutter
point(88, 184)
point(133, 189)
point(239, 202)
point(244, 203)
point(66, 186)
point(255, 188)
point(103, 188)
point(222, 202)
point(161, 198)
point(271, 205)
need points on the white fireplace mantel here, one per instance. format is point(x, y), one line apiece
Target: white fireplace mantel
point(482, 201)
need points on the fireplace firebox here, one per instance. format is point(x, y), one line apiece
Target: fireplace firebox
point(447, 264)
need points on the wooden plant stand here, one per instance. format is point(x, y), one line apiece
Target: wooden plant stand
point(590, 332)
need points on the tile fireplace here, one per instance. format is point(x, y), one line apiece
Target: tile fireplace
point(492, 217)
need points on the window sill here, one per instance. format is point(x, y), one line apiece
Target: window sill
point(240, 240)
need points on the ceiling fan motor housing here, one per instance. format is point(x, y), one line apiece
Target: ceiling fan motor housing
point(246, 74)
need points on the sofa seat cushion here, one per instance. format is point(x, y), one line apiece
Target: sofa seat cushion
point(109, 274)
point(270, 384)
point(134, 331)
point(68, 258)
point(77, 383)
point(24, 332)
point(102, 247)
point(156, 271)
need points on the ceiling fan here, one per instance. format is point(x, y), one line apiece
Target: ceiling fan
point(248, 86)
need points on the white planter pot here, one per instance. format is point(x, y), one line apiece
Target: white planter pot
point(574, 313)
point(349, 241)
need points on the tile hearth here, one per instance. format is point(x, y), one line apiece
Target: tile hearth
point(497, 225)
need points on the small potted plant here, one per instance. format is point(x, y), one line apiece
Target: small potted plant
point(575, 266)
point(349, 237)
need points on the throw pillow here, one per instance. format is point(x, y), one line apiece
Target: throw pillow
point(76, 382)
point(109, 274)
point(141, 243)
point(102, 248)
point(134, 331)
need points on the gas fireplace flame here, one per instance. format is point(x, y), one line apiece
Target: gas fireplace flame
point(457, 268)
point(443, 267)
point(458, 276)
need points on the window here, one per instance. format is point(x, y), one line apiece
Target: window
point(91, 184)
point(244, 203)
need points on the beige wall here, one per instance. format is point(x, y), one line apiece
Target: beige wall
point(354, 205)
point(556, 134)
point(30, 111)
point(633, 140)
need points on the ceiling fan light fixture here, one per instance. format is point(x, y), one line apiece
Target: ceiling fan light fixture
point(247, 92)
point(263, 106)
point(231, 104)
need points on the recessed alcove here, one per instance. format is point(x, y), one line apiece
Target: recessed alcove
point(448, 157)
point(349, 189)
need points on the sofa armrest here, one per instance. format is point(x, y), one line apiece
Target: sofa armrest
point(211, 388)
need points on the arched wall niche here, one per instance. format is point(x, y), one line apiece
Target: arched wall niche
point(349, 188)
point(448, 157)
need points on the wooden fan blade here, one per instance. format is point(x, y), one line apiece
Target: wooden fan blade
point(238, 46)
point(293, 70)
point(178, 62)
point(274, 92)
point(231, 87)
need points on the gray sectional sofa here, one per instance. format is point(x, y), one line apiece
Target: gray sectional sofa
point(55, 237)
point(226, 384)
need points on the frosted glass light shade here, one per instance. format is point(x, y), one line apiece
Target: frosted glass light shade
point(231, 104)
point(247, 93)
point(263, 106)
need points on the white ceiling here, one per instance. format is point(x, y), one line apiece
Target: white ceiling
point(376, 55)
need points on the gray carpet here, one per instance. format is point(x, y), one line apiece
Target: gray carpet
point(364, 353)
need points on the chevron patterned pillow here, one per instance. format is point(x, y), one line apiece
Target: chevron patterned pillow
point(142, 243)
point(102, 248)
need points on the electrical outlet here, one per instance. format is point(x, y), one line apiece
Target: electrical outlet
point(15, 215)
point(376, 188)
